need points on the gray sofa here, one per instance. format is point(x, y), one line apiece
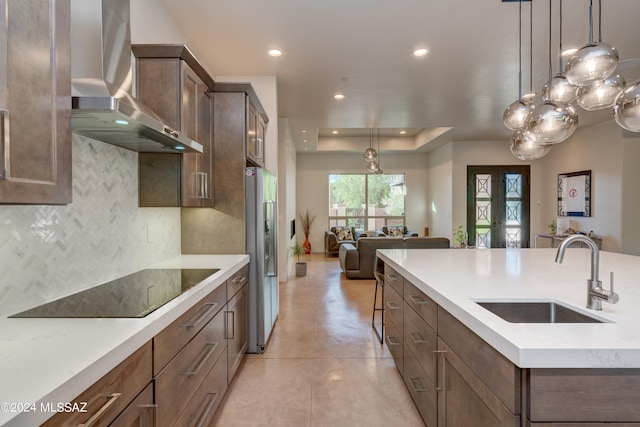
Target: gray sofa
point(358, 260)
point(332, 242)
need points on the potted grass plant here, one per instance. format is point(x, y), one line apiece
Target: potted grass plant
point(301, 267)
point(306, 220)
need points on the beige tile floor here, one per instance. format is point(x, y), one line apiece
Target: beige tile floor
point(323, 365)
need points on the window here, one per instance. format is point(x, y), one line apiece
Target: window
point(366, 202)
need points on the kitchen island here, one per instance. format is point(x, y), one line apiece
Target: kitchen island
point(525, 374)
point(49, 361)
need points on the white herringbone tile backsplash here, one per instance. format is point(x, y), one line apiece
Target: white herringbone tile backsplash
point(51, 251)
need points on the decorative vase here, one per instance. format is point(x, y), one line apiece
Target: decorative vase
point(307, 245)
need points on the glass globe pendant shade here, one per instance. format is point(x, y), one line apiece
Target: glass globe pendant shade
point(560, 90)
point(372, 166)
point(515, 115)
point(523, 148)
point(370, 154)
point(626, 109)
point(601, 94)
point(590, 63)
point(551, 123)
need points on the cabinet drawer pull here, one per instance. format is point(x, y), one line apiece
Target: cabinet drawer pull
point(212, 346)
point(392, 305)
point(111, 400)
point(393, 277)
point(205, 414)
point(193, 324)
point(417, 338)
point(241, 279)
point(230, 324)
point(419, 388)
point(417, 300)
point(439, 354)
point(392, 341)
point(203, 191)
point(4, 137)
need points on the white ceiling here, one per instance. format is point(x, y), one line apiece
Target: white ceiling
point(363, 49)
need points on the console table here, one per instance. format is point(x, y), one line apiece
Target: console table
point(557, 238)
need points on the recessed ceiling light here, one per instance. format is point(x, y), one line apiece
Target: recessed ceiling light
point(338, 96)
point(402, 132)
point(335, 132)
point(304, 131)
point(420, 52)
point(275, 52)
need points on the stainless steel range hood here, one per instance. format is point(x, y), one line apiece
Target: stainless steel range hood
point(103, 106)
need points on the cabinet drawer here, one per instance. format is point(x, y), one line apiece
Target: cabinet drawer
point(421, 340)
point(393, 338)
point(174, 337)
point(140, 412)
point(177, 383)
point(393, 279)
point(583, 395)
point(393, 307)
point(497, 372)
point(422, 304)
point(421, 388)
point(237, 281)
point(207, 399)
point(111, 394)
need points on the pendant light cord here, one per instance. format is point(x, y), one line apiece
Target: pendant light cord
point(531, 49)
point(590, 21)
point(520, 49)
point(599, 21)
point(560, 38)
point(550, 69)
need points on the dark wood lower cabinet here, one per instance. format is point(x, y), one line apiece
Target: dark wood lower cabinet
point(464, 399)
point(462, 381)
point(140, 413)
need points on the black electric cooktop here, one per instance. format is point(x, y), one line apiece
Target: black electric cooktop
point(135, 295)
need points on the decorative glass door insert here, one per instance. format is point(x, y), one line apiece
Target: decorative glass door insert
point(498, 206)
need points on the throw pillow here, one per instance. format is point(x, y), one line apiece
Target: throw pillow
point(344, 233)
point(395, 231)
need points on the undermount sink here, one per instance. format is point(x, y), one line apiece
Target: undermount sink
point(536, 312)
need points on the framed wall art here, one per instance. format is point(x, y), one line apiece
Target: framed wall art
point(574, 194)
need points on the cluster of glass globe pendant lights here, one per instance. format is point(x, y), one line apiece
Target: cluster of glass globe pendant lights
point(371, 155)
point(589, 81)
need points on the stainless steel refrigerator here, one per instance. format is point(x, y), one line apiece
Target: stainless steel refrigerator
point(261, 239)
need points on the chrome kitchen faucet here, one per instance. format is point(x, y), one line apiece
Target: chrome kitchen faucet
point(595, 293)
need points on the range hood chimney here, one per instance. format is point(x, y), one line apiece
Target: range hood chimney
point(103, 107)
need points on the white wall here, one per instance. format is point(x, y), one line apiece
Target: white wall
point(312, 191)
point(440, 190)
point(598, 148)
point(631, 195)
point(151, 23)
point(286, 198)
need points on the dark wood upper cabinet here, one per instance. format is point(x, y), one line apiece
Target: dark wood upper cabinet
point(172, 83)
point(35, 102)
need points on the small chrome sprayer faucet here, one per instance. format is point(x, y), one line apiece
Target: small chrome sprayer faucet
point(595, 293)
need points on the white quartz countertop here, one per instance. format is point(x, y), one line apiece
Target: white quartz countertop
point(455, 279)
point(54, 360)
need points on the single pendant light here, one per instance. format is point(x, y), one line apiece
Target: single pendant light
point(523, 148)
point(379, 169)
point(370, 154)
point(559, 89)
point(516, 113)
point(602, 93)
point(592, 62)
point(626, 109)
point(549, 122)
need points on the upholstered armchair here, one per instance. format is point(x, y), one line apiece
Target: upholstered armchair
point(397, 231)
point(336, 236)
